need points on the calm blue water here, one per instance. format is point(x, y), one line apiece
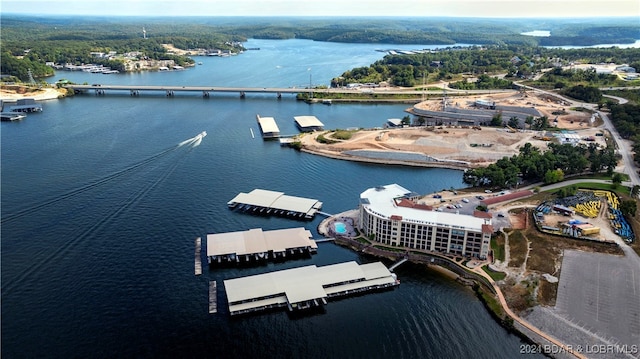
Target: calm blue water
point(100, 209)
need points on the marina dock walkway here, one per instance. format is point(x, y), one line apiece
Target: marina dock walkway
point(398, 264)
point(325, 240)
point(213, 297)
point(198, 259)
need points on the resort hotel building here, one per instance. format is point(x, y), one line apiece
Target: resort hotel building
point(391, 215)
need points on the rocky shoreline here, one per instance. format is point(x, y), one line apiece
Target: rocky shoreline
point(340, 156)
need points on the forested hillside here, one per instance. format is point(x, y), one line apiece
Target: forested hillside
point(517, 62)
point(29, 42)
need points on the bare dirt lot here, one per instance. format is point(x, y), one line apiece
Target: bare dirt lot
point(11, 93)
point(473, 147)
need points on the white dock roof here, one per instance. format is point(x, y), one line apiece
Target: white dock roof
point(296, 204)
point(268, 125)
point(257, 241)
point(305, 283)
point(278, 200)
point(257, 197)
point(308, 121)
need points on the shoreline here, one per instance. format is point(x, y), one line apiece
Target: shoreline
point(8, 95)
point(475, 278)
point(340, 156)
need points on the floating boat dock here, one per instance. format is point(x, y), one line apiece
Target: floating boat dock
point(268, 127)
point(26, 105)
point(11, 116)
point(271, 203)
point(305, 287)
point(257, 245)
point(213, 297)
point(287, 141)
point(198, 260)
point(308, 123)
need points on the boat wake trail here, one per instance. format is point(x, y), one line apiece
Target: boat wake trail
point(101, 181)
point(194, 141)
point(119, 210)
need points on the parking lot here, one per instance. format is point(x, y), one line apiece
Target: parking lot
point(464, 203)
point(598, 302)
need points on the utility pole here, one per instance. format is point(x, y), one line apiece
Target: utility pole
point(31, 80)
point(423, 86)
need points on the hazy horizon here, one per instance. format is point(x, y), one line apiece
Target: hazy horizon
point(499, 9)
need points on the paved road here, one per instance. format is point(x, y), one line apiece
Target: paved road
point(623, 146)
point(292, 90)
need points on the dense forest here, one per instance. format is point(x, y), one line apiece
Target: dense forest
point(29, 44)
point(71, 39)
point(626, 119)
point(516, 61)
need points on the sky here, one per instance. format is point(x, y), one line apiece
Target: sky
point(453, 8)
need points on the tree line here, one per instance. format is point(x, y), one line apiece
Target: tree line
point(532, 165)
point(626, 119)
point(70, 39)
point(518, 62)
point(30, 44)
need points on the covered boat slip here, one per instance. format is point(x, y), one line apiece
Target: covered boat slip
point(258, 244)
point(268, 127)
point(302, 287)
point(308, 123)
point(261, 201)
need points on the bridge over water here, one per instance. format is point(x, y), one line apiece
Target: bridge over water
point(207, 91)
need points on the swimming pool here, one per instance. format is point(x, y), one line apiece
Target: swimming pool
point(340, 227)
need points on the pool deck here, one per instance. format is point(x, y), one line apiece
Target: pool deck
point(349, 218)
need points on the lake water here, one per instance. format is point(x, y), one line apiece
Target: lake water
point(100, 209)
point(537, 33)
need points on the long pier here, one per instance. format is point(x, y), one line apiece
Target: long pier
point(207, 91)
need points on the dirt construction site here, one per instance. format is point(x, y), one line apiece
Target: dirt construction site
point(473, 145)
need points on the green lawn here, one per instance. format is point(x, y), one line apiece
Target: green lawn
point(497, 245)
point(619, 189)
point(495, 275)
